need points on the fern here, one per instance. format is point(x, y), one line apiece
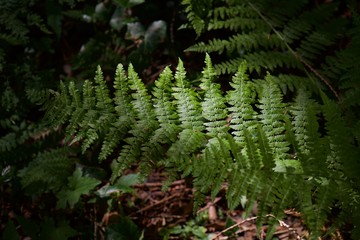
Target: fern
point(273, 118)
point(280, 154)
point(142, 129)
point(167, 117)
point(287, 37)
point(124, 114)
point(48, 171)
point(241, 99)
point(213, 106)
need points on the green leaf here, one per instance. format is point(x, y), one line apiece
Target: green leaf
point(123, 185)
point(77, 186)
point(125, 229)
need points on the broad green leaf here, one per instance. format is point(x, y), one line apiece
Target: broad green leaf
point(77, 186)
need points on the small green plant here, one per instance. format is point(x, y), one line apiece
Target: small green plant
point(189, 231)
point(192, 229)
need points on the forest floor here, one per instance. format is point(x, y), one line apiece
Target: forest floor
point(170, 213)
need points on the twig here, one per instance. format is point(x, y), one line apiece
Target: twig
point(281, 223)
point(157, 203)
point(158, 184)
point(233, 226)
point(208, 205)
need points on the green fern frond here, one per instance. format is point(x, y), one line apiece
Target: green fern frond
point(48, 171)
point(78, 113)
point(124, 114)
point(197, 23)
point(103, 102)
point(83, 112)
point(213, 105)
point(187, 104)
point(316, 207)
point(167, 118)
point(271, 60)
point(143, 128)
point(266, 154)
point(181, 152)
point(305, 122)
point(98, 117)
point(122, 97)
point(165, 111)
point(216, 155)
point(291, 38)
point(141, 99)
point(242, 114)
point(58, 111)
point(273, 118)
point(343, 151)
point(290, 83)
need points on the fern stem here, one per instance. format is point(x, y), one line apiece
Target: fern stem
point(297, 56)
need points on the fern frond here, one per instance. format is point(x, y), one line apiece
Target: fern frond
point(48, 171)
point(271, 60)
point(103, 101)
point(181, 152)
point(78, 109)
point(97, 119)
point(198, 24)
point(213, 105)
point(122, 97)
point(291, 38)
point(242, 114)
point(60, 108)
point(143, 128)
point(141, 99)
point(165, 111)
point(316, 207)
point(124, 114)
point(188, 107)
point(272, 117)
point(84, 114)
point(167, 118)
point(344, 154)
point(216, 156)
point(305, 122)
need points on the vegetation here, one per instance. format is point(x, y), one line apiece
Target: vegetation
point(273, 123)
